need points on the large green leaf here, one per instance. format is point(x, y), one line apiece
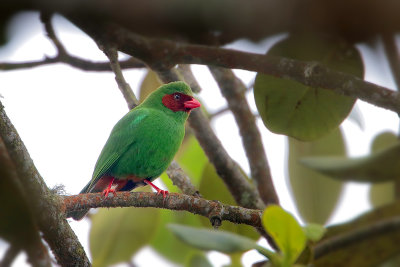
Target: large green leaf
point(211, 239)
point(315, 195)
point(117, 233)
point(305, 113)
point(192, 159)
point(383, 193)
point(212, 187)
point(377, 167)
point(287, 233)
point(368, 251)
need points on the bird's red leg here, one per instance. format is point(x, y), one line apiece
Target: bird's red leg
point(109, 189)
point(159, 191)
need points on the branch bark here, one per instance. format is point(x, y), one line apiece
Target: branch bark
point(46, 205)
point(234, 91)
point(164, 54)
point(173, 201)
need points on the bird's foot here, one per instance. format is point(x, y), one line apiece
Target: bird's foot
point(159, 191)
point(109, 189)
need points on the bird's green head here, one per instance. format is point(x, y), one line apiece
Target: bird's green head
point(175, 96)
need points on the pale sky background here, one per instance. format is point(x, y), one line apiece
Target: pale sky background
point(64, 116)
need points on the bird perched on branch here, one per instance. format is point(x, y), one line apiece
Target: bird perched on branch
point(143, 143)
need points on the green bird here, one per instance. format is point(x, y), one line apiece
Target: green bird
point(143, 143)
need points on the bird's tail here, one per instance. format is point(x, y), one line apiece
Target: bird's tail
point(79, 214)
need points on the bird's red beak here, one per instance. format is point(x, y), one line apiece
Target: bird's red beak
point(191, 104)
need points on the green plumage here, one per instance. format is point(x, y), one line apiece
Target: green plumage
point(143, 142)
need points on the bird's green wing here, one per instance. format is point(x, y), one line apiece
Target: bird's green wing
point(121, 137)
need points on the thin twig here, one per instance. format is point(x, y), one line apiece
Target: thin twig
point(125, 88)
point(56, 230)
point(234, 90)
point(181, 180)
point(189, 77)
point(173, 201)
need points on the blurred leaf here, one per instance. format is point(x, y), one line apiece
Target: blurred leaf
point(192, 159)
point(212, 187)
point(305, 113)
point(285, 231)
point(314, 232)
point(375, 168)
point(383, 193)
point(117, 233)
point(148, 85)
point(315, 195)
point(167, 244)
point(198, 260)
point(210, 239)
point(368, 251)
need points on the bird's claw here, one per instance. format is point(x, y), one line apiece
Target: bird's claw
point(108, 191)
point(163, 192)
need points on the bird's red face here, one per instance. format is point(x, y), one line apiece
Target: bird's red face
point(180, 102)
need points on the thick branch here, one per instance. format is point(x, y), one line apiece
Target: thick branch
point(357, 235)
point(56, 230)
point(164, 54)
point(234, 91)
point(173, 201)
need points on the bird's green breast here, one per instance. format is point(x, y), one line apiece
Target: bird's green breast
point(155, 137)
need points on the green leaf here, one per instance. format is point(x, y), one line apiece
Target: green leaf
point(306, 113)
point(286, 232)
point(375, 168)
point(167, 244)
point(148, 85)
point(192, 159)
point(315, 195)
point(210, 239)
point(212, 187)
point(383, 193)
point(314, 232)
point(117, 233)
point(198, 260)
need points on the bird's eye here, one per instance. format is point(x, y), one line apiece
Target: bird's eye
point(177, 96)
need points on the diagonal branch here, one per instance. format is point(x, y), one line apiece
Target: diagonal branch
point(234, 91)
point(173, 201)
point(125, 88)
point(46, 205)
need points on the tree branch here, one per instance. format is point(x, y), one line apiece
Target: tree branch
point(46, 205)
point(234, 91)
point(181, 180)
point(173, 201)
point(164, 54)
point(125, 88)
point(356, 235)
